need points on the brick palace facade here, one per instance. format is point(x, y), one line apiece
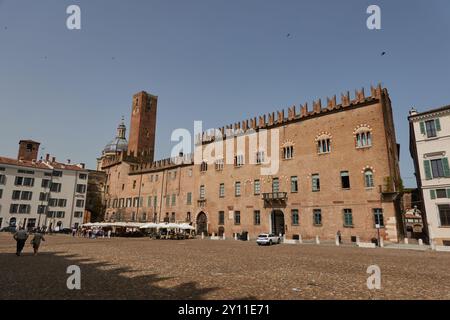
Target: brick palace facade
point(338, 170)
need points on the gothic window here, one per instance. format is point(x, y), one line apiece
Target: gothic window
point(368, 178)
point(219, 164)
point(239, 160)
point(260, 157)
point(323, 142)
point(363, 136)
point(204, 166)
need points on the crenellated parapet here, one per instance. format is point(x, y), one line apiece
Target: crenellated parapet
point(272, 119)
point(168, 163)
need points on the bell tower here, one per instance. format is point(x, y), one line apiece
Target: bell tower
point(141, 141)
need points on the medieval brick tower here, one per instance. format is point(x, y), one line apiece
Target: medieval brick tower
point(28, 150)
point(141, 141)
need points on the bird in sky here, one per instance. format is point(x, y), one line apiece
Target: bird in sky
point(383, 53)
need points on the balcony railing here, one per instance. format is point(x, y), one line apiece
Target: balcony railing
point(274, 199)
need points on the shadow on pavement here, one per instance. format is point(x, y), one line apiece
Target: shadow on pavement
point(45, 277)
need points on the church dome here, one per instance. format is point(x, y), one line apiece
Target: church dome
point(119, 144)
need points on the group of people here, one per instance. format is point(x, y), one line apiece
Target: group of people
point(21, 236)
point(91, 233)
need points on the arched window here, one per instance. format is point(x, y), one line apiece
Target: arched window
point(363, 136)
point(204, 166)
point(288, 149)
point(323, 143)
point(368, 178)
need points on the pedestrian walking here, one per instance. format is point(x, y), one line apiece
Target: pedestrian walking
point(339, 236)
point(21, 237)
point(36, 241)
point(74, 231)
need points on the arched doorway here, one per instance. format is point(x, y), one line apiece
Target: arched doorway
point(221, 231)
point(278, 225)
point(202, 223)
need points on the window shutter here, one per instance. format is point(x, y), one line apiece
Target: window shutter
point(448, 193)
point(427, 167)
point(433, 194)
point(422, 127)
point(446, 167)
point(438, 124)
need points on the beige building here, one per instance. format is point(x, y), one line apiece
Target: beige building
point(337, 170)
point(430, 149)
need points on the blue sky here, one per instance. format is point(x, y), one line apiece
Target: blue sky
point(219, 61)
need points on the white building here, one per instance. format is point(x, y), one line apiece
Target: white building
point(37, 193)
point(430, 149)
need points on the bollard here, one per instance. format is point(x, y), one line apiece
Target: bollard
point(223, 236)
point(381, 242)
point(235, 236)
point(337, 241)
point(248, 236)
point(203, 235)
point(357, 240)
point(420, 242)
point(300, 238)
point(317, 240)
point(406, 241)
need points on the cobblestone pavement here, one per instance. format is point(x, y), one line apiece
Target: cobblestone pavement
point(204, 269)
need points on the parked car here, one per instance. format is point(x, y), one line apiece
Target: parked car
point(268, 239)
point(8, 229)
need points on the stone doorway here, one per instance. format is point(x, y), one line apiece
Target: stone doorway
point(202, 223)
point(278, 225)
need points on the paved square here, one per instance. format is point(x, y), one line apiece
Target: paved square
point(141, 268)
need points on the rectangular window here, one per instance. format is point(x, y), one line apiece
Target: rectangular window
point(237, 217)
point(80, 203)
point(81, 188)
point(431, 128)
point(317, 217)
point(2, 179)
point(295, 217)
point(41, 209)
point(275, 185)
point(56, 187)
point(378, 217)
point(83, 176)
point(24, 208)
point(260, 157)
point(221, 190)
point(13, 208)
point(174, 199)
point(442, 193)
point(345, 180)
point(18, 181)
point(62, 203)
point(257, 217)
point(26, 195)
point(237, 189)
point(28, 182)
point(202, 192)
point(45, 183)
point(257, 187)
point(53, 202)
point(16, 195)
point(315, 182)
point(60, 214)
point(239, 160)
point(294, 184)
point(348, 218)
point(1, 193)
point(167, 201)
point(444, 214)
point(57, 173)
point(437, 168)
point(219, 164)
point(78, 214)
point(189, 198)
point(221, 218)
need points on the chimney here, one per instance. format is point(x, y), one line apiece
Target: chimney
point(68, 161)
point(47, 157)
point(53, 159)
point(413, 112)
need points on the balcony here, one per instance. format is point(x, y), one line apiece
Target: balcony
point(201, 202)
point(275, 199)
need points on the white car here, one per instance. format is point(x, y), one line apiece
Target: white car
point(268, 239)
